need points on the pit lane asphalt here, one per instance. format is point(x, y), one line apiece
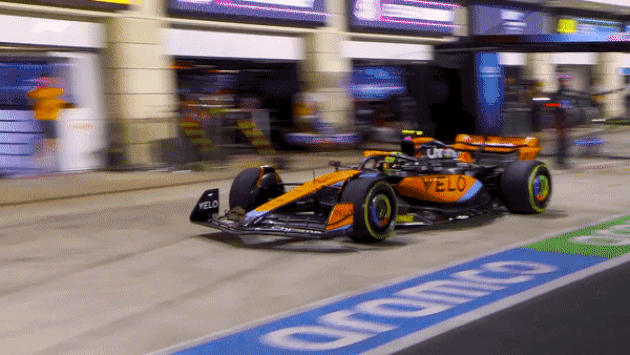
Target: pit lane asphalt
point(587, 317)
point(128, 274)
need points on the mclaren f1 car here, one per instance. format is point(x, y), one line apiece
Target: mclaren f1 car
point(426, 182)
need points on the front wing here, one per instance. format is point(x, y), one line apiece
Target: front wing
point(231, 227)
point(206, 213)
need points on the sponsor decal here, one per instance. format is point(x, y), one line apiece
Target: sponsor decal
point(383, 316)
point(441, 153)
point(610, 239)
point(404, 218)
point(286, 230)
point(361, 321)
point(298, 230)
point(208, 205)
point(439, 188)
point(342, 215)
point(365, 321)
point(443, 183)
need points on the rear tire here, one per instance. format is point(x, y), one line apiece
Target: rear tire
point(254, 186)
point(526, 187)
point(375, 209)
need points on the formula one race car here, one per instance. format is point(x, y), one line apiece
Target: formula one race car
point(425, 183)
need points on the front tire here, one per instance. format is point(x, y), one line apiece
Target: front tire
point(254, 186)
point(375, 209)
point(526, 187)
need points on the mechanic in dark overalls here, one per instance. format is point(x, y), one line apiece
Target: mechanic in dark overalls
point(561, 123)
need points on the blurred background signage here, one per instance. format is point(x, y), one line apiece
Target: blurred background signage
point(506, 20)
point(412, 16)
point(529, 2)
point(573, 25)
point(489, 86)
point(102, 4)
point(377, 82)
point(308, 12)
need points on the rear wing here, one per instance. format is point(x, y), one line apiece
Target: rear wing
point(491, 149)
point(523, 148)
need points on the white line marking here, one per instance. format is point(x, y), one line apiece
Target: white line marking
point(207, 338)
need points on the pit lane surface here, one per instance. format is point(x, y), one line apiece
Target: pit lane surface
point(129, 274)
point(587, 317)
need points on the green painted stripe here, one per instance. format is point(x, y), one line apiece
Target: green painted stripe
point(607, 239)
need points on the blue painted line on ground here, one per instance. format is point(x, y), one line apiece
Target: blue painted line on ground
point(365, 321)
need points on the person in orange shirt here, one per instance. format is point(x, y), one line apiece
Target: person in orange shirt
point(47, 106)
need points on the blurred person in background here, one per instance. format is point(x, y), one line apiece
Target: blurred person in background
point(561, 122)
point(46, 110)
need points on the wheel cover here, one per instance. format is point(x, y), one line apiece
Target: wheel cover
point(381, 210)
point(541, 188)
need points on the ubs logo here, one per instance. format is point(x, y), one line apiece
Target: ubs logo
point(441, 153)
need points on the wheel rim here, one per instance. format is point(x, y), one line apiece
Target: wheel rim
point(541, 188)
point(381, 210)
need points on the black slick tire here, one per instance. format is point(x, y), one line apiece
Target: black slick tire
point(254, 186)
point(243, 192)
point(375, 209)
point(526, 187)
